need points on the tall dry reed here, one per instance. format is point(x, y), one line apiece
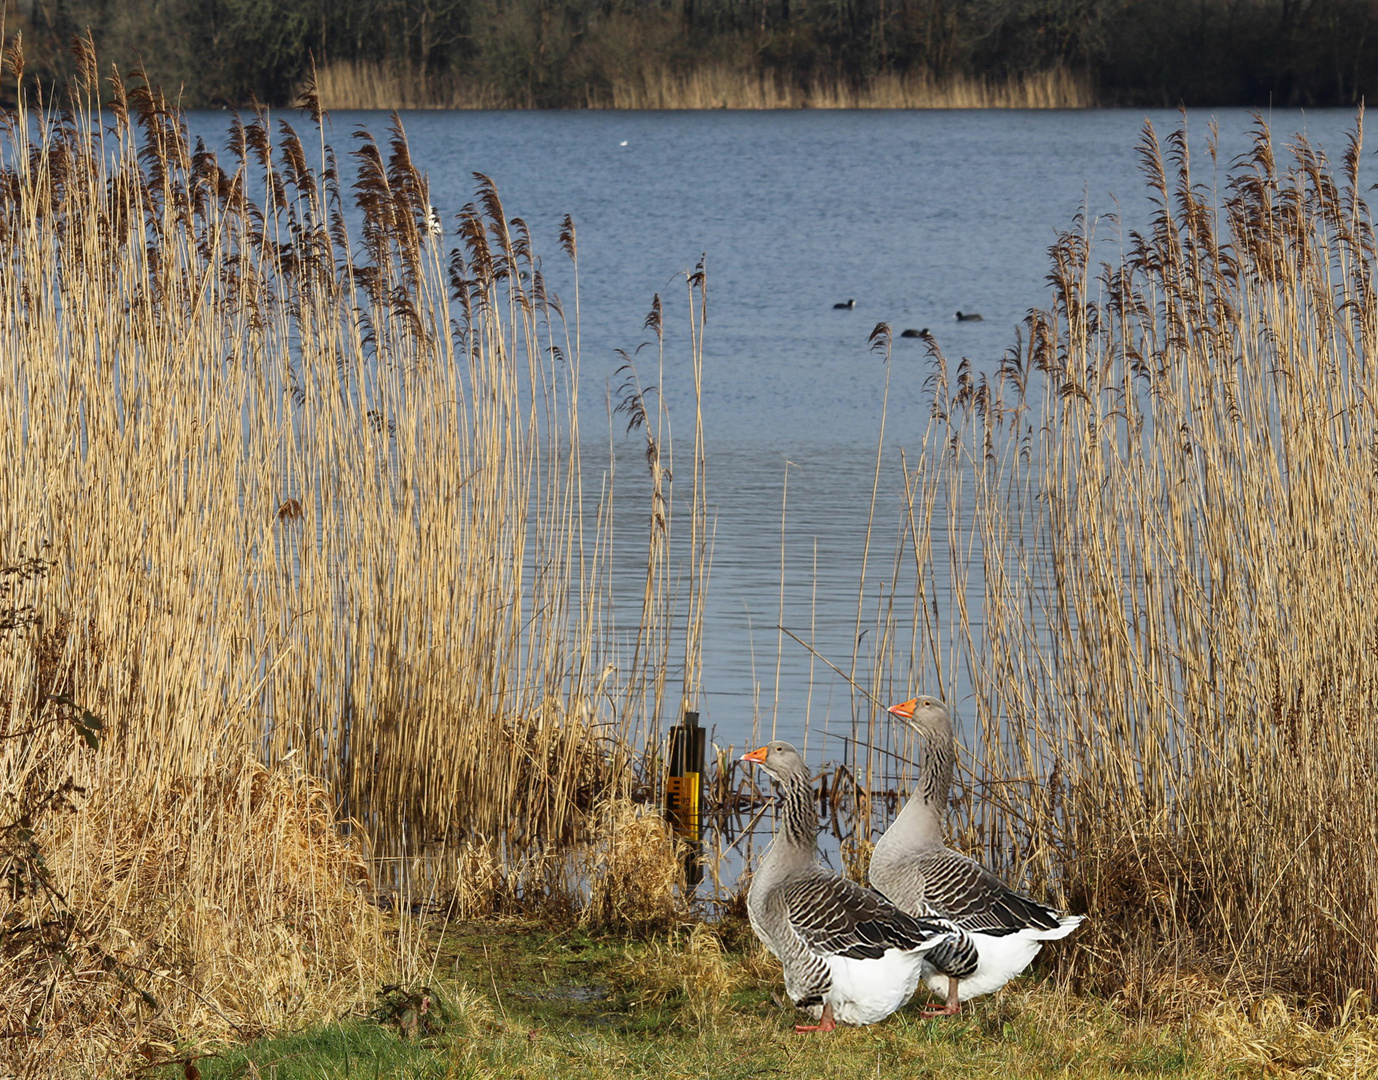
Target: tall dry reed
point(307, 483)
point(1148, 544)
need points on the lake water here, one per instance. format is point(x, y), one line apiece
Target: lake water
point(914, 214)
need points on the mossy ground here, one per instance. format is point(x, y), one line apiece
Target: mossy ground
point(524, 1000)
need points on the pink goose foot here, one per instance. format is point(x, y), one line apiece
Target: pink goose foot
point(953, 1006)
point(825, 1024)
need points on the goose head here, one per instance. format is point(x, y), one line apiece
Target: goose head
point(780, 759)
point(926, 715)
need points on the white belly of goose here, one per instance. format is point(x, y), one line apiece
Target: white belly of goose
point(867, 991)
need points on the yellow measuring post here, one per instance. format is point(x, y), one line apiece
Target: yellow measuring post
point(683, 793)
point(684, 789)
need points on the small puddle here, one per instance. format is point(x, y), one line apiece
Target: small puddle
point(581, 995)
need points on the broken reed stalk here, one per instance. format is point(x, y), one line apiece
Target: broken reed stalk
point(700, 555)
point(1162, 550)
point(312, 490)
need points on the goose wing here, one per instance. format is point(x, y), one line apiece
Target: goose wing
point(837, 917)
point(970, 895)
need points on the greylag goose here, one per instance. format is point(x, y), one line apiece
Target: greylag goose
point(848, 304)
point(913, 868)
point(849, 955)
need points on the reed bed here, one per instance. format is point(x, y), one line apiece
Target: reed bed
point(304, 480)
point(361, 85)
point(734, 88)
point(1157, 523)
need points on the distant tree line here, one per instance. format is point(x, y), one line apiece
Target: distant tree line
point(553, 52)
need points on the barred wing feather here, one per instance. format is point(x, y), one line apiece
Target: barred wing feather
point(971, 895)
point(838, 917)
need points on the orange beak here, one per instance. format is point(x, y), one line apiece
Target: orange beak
point(904, 710)
point(758, 755)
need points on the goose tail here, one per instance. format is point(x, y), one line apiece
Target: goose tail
point(1065, 925)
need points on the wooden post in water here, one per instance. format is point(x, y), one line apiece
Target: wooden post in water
point(684, 792)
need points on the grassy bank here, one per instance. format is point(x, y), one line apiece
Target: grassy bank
point(527, 1000)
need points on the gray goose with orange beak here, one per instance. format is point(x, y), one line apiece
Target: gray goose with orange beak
point(913, 868)
point(849, 955)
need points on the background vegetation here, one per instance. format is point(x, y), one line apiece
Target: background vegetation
point(558, 53)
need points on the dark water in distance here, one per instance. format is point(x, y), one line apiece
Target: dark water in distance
point(915, 214)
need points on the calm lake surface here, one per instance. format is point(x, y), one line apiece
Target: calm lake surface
point(914, 214)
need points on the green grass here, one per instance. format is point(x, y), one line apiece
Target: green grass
point(351, 1048)
point(516, 1000)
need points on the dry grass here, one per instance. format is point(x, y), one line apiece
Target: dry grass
point(691, 967)
point(1273, 1039)
point(221, 906)
point(1157, 522)
point(359, 85)
point(634, 868)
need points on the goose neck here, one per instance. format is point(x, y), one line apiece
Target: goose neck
point(798, 813)
point(935, 772)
